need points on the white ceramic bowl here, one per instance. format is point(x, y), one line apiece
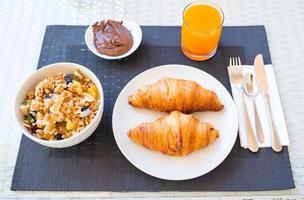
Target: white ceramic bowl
point(134, 29)
point(48, 71)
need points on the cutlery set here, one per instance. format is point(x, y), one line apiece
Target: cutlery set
point(246, 87)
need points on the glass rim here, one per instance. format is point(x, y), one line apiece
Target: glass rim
point(203, 2)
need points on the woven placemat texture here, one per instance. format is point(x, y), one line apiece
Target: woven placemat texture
point(98, 165)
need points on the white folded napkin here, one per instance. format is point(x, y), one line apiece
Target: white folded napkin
point(276, 106)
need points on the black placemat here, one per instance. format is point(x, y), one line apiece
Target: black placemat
point(98, 165)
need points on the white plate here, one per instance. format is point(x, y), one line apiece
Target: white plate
point(134, 29)
point(163, 166)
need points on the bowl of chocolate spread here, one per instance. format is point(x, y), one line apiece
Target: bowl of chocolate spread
point(111, 39)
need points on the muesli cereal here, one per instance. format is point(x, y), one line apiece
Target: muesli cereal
point(60, 106)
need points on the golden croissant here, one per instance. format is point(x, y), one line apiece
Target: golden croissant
point(177, 134)
point(170, 94)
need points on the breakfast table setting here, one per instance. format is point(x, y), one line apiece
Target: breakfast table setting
point(151, 99)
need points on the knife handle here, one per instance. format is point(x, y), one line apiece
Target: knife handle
point(275, 140)
point(258, 126)
point(251, 141)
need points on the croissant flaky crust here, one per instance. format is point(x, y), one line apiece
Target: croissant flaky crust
point(170, 94)
point(177, 134)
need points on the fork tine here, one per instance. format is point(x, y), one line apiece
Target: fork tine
point(239, 61)
point(240, 66)
point(233, 63)
point(230, 62)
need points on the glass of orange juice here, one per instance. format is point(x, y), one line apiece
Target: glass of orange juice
point(201, 30)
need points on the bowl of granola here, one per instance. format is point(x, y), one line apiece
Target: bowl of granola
point(59, 105)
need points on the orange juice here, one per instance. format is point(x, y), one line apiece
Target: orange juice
point(201, 30)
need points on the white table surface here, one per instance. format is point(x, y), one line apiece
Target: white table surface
point(22, 26)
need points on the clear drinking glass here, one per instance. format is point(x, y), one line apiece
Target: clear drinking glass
point(201, 30)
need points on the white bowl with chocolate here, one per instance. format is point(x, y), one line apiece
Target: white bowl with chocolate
point(111, 39)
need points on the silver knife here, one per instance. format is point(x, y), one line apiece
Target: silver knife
point(260, 73)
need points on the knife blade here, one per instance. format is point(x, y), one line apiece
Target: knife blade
point(260, 73)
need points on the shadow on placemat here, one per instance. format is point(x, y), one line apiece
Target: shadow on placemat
point(97, 164)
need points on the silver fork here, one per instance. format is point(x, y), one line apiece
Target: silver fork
point(237, 78)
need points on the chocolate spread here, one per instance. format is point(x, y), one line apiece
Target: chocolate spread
point(112, 38)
